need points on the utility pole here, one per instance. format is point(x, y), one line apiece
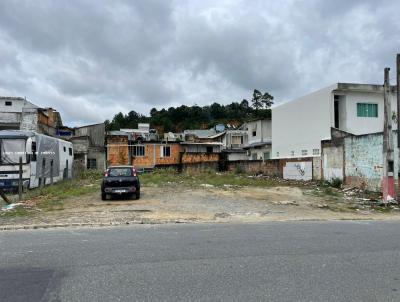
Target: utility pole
point(388, 187)
point(398, 121)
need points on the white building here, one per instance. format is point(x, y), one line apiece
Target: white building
point(233, 142)
point(142, 133)
point(12, 110)
point(299, 126)
point(259, 138)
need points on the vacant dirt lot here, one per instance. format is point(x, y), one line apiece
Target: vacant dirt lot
point(201, 203)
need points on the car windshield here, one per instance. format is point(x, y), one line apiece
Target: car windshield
point(115, 172)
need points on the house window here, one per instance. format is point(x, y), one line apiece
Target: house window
point(304, 152)
point(367, 110)
point(291, 153)
point(138, 151)
point(315, 151)
point(91, 163)
point(165, 151)
point(267, 155)
point(237, 140)
point(254, 133)
point(70, 151)
point(254, 156)
point(8, 103)
point(65, 149)
point(209, 149)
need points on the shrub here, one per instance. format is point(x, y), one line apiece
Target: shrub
point(336, 182)
point(239, 169)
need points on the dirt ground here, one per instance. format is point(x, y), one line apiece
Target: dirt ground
point(173, 204)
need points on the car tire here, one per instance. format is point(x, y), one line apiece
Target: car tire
point(103, 196)
point(137, 195)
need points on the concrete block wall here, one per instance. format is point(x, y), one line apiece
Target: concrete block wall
point(332, 162)
point(364, 160)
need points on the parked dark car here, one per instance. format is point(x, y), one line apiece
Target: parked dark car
point(120, 180)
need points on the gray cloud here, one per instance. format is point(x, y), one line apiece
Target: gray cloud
point(92, 59)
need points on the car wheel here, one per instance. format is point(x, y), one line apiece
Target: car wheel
point(103, 196)
point(137, 194)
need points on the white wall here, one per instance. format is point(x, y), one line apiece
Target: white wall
point(298, 170)
point(301, 124)
point(16, 106)
point(363, 125)
point(259, 152)
point(263, 130)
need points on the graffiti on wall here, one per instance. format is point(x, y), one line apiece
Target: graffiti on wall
point(298, 170)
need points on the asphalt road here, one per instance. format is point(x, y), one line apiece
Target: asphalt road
point(291, 261)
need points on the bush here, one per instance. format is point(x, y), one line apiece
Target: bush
point(336, 182)
point(239, 169)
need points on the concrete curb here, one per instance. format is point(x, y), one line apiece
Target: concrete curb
point(154, 222)
point(67, 225)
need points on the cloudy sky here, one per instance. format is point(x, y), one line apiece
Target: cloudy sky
point(92, 59)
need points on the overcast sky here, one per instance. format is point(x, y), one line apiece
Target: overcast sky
point(92, 59)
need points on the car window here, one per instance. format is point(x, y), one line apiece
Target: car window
point(120, 172)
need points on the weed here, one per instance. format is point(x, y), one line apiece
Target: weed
point(239, 169)
point(336, 182)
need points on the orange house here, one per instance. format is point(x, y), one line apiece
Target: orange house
point(122, 151)
point(150, 154)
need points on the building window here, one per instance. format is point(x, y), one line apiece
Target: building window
point(254, 156)
point(291, 153)
point(277, 154)
point(138, 151)
point(237, 140)
point(91, 163)
point(165, 151)
point(65, 149)
point(304, 152)
point(8, 103)
point(367, 110)
point(315, 151)
point(209, 149)
point(267, 155)
point(254, 133)
point(70, 151)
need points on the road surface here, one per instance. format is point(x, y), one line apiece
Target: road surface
point(275, 261)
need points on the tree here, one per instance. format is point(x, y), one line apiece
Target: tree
point(266, 99)
point(256, 100)
point(244, 104)
point(261, 101)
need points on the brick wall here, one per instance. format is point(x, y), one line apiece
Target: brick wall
point(268, 167)
point(189, 158)
point(153, 156)
point(117, 151)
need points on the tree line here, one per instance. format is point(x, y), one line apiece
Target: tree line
point(177, 119)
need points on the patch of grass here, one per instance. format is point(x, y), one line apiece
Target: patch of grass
point(167, 177)
point(383, 209)
point(51, 197)
point(16, 212)
point(326, 191)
